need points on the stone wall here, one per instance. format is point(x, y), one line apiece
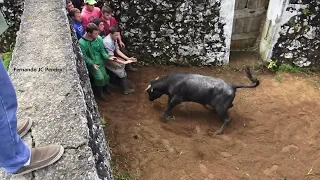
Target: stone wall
point(196, 32)
point(12, 11)
point(53, 89)
point(297, 39)
point(99, 147)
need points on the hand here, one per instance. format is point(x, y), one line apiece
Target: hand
point(127, 62)
point(113, 58)
point(121, 44)
point(96, 67)
point(133, 59)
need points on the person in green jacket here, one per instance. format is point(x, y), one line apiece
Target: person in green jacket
point(94, 54)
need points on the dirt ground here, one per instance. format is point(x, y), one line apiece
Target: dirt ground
point(275, 132)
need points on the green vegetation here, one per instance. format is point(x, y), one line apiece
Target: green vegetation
point(122, 175)
point(288, 68)
point(278, 77)
point(103, 122)
point(273, 66)
point(6, 57)
point(305, 11)
point(279, 69)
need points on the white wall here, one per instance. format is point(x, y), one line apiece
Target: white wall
point(276, 17)
point(226, 15)
point(271, 27)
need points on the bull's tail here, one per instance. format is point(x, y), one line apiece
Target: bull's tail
point(252, 79)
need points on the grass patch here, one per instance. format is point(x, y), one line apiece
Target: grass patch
point(276, 67)
point(6, 57)
point(278, 77)
point(279, 69)
point(122, 175)
point(288, 68)
point(103, 122)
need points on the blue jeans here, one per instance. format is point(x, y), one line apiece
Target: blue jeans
point(13, 151)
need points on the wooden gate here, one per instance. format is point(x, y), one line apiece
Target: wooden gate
point(248, 16)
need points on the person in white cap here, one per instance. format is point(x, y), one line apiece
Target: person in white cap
point(89, 12)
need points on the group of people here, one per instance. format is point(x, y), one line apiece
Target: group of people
point(103, 49)
point(101, 45)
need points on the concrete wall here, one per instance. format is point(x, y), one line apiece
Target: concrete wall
point(53, 89)
point(12, 11)
point(292, 32)
point(196, 32)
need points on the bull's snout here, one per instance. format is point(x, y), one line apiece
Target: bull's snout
point(151, 99)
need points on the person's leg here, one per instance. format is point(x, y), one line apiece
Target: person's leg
point(99, 82)
point(126, 87)
point(15, 157)
point(107, 85)
point(124, 81)
point(119, 70)
point(13, 152)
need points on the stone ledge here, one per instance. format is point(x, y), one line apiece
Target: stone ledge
point(53, 90)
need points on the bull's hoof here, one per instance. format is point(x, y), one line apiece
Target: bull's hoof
point(164, 119)
point(218, 132)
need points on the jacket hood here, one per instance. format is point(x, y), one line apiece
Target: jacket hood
point(86, 11)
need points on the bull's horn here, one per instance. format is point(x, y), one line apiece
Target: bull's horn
point(157, 78)
point(148, 87)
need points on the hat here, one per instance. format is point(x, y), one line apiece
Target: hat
point(91, 2)
point(97, 21)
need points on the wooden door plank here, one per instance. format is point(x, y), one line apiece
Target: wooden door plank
point(239, 25)
point(251, 42)
point(247, 24)
point(243, 13)
point(255, 26)
point(234, 25)
point(240, 36)
point(242, 4)
point(253, 4)
point(236, 4)
point(263, 3)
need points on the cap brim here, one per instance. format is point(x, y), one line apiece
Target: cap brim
point(92, 2)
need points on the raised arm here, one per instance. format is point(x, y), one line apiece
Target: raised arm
point(123, 56)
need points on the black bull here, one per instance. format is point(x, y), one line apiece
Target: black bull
point(205, 90)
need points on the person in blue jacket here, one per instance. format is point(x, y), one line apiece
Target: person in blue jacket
point(75, 15)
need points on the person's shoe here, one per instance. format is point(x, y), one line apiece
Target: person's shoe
point(107, 90)
point(99, 93)
point(23, 126)
point(125, 84)
point(130, 68)
point(42, 157)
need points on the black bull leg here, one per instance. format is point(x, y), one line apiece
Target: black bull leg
point(172, 102)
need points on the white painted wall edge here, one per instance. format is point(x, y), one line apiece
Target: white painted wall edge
point(271, 27)
point(226, 16)
point(276, 17)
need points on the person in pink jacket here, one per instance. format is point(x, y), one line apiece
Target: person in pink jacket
point(89, 12)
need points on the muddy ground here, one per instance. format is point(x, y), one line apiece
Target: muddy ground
point(275, 132)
